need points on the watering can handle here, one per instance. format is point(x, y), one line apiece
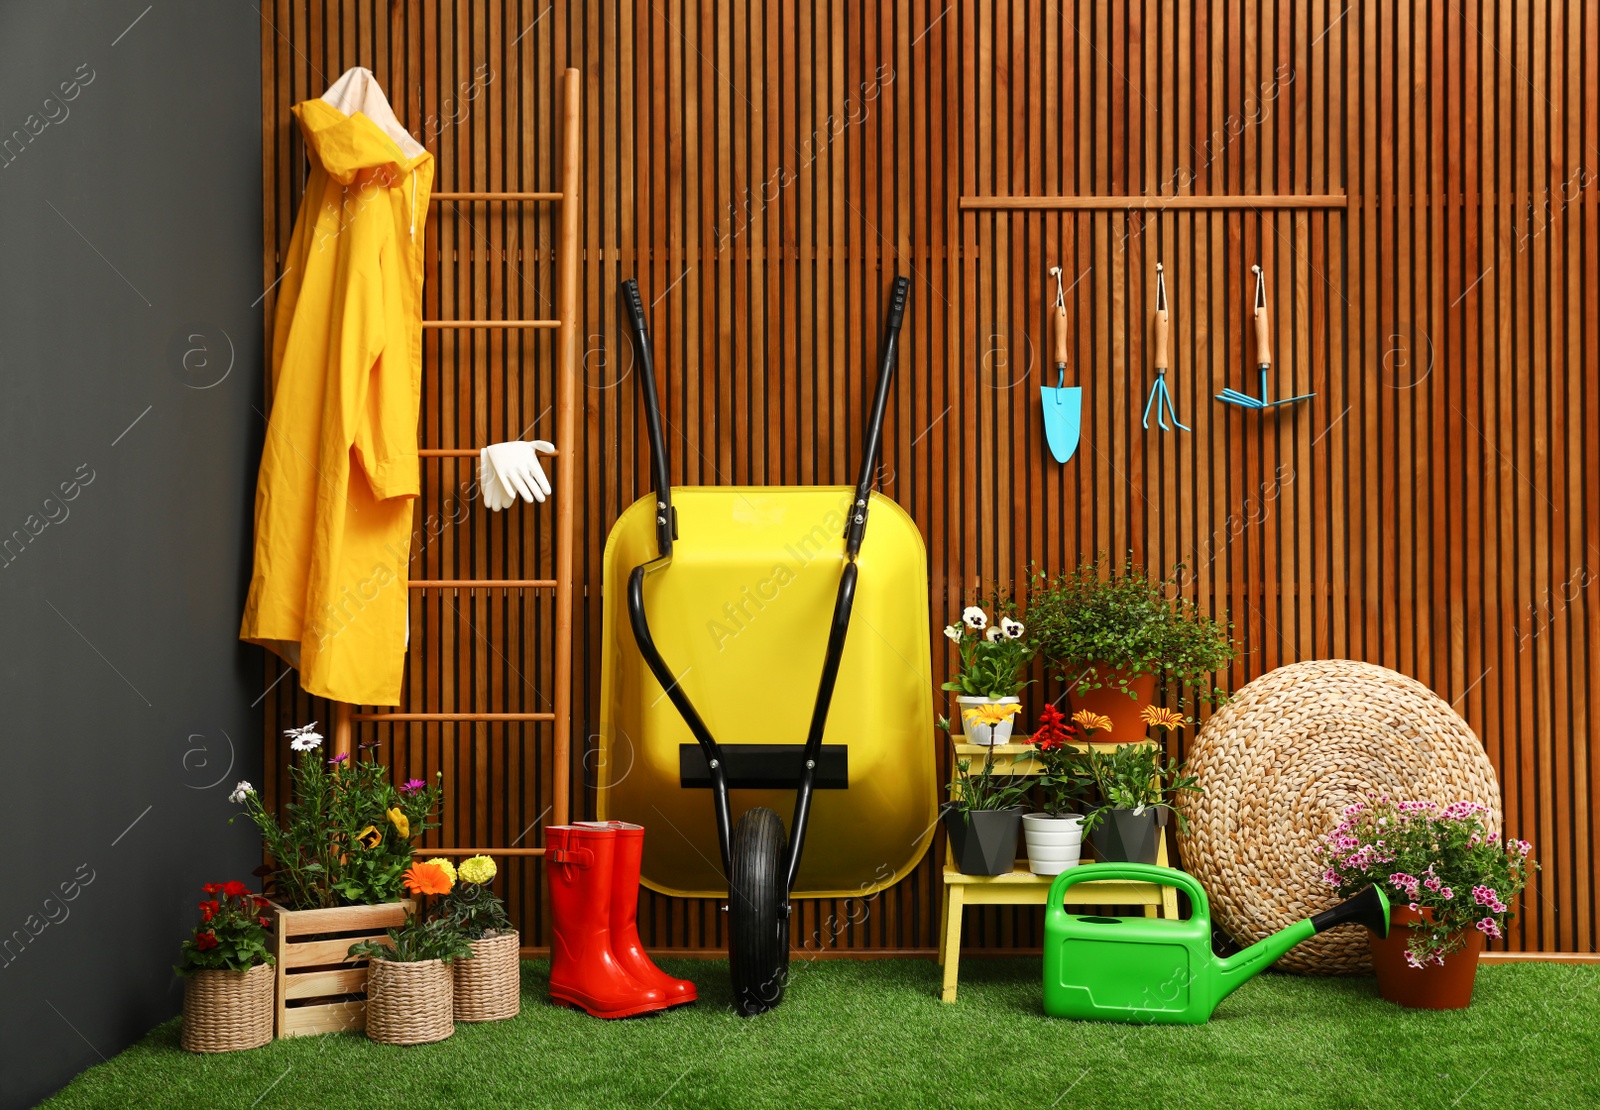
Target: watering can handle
point(1130, 872)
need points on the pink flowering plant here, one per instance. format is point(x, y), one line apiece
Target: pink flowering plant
point(1446, 863)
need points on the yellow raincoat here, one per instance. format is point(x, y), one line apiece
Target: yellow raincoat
point(339, 467)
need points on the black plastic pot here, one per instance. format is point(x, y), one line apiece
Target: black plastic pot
point(1127, 836)
point(983, 841)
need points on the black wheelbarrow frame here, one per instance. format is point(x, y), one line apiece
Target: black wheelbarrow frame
point(759, 860)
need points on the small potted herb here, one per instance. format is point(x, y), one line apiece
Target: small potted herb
point(227, 967)
point(1113, 632)
point(488, 983)
point(409, 982)
point(992, 661)
point(1136, 789)
point(1054, 837)
point(983, 817)
point(1450, 881)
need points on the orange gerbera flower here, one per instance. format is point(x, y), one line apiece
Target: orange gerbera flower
point(426, 878)
point(1162, 717)
point(1091, 722)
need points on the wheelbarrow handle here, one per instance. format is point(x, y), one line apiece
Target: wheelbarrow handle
point(1130, 872)
point(660, 472)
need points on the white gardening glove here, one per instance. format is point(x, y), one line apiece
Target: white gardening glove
point(517, 464)
point(494, 492)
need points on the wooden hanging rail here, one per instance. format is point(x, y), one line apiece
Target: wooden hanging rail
point(452, 716)
point(477, 851)
point(1145, 201)
point(482, 583)
point(469, 453)
point(469, 324)
point(496, 196)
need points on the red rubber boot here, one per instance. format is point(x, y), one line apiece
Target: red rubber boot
point(584, 971)
point(625, 943)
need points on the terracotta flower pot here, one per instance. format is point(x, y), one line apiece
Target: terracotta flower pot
point(1447, 987)
point(1108, 701)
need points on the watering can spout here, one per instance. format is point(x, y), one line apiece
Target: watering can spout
point(1369, 908)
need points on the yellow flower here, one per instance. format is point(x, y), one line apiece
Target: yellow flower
point(477, 869)
point(991, 715)
point(370, 837)
point(401, 823)
point(446, 866)
point(1162, 717)
point(1091, 722)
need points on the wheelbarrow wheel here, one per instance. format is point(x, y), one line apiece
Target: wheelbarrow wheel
point(758, 925)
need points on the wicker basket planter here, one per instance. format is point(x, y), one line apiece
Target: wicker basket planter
point(320, 988)
point(225, 1011)
point(488, 987)
point(409, 1003)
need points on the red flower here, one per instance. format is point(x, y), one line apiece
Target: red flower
point(264, 922)
point(203, 941)
point(212, 888)
point(260, 901)
point(1052, 732)
point(234, 889)
point(208, 910)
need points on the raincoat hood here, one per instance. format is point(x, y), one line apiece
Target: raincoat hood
point(352, 128)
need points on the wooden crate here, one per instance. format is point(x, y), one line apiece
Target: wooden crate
point(316, 976)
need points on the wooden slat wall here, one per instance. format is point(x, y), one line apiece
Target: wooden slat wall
point(765, 169)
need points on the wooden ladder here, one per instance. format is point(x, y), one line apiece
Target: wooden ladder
point(562, 488)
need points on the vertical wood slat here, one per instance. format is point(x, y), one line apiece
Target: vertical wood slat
point(1433, 509)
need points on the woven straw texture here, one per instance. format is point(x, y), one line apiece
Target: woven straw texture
point(224, 1011)
point(408, 1003)
point(1278, 765)
point(489, 985)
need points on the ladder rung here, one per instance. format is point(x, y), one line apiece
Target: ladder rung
point(477, 851)
point(482, 583)
point(469, 324)
point(452, 716)
point(497, 196)
point(469, 453)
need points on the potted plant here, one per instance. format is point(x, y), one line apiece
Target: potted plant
point(1450, 880)
point(337, 856)
point(488, 983)
point(1054, 837)
point(227, 970)
point(992, 660)
point(1136, 789)
point(1112, 632)
point(409, 980)
point(983, 818)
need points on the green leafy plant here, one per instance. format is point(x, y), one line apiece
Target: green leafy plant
point(420, 938)
point(475, 909)
point(233, 934)
point(1444, 862)
point(1106, 625)
point(1131, 776)
point(345, 836)
point(1062, 781)
point(992, 656)
point(983, 789)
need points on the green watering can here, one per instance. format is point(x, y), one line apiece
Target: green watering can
point(1147, 970)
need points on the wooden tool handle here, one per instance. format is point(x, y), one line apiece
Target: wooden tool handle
point(1161, 339)
point(1263, 349)
point(1061, 335)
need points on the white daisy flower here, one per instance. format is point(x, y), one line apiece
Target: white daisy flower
point(953, 631)
point(1013, 629)
point(994, 635)
point(240, 793)
point(974, 618)
point(305, 738)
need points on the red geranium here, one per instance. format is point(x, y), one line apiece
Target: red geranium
point(232, 935)
point(212, 888)
point(233, 888)
point(204, 941)
point(208, 910)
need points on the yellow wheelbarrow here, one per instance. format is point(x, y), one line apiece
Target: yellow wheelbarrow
point(774, 644)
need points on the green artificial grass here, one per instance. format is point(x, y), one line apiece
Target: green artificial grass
point(874, 1033)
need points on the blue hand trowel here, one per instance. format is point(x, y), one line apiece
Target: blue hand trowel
point(1063, 404)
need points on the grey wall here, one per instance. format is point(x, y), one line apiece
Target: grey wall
point(130, 255)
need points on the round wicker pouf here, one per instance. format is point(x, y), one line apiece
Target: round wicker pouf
point(408, 1003)
point(489, 985)
point(1281, 761)
point(225, 1011)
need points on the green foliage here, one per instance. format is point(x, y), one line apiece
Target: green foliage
point(233, 934)
point(475, 910)
point(434, 938)
point(992, 656)
point(1130, 776)
point(983, 789)
point(1445, 861)
point(336, 842)
point(1105, 625)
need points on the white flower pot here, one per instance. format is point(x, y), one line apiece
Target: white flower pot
point(984, 734)
point(1054, 843)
